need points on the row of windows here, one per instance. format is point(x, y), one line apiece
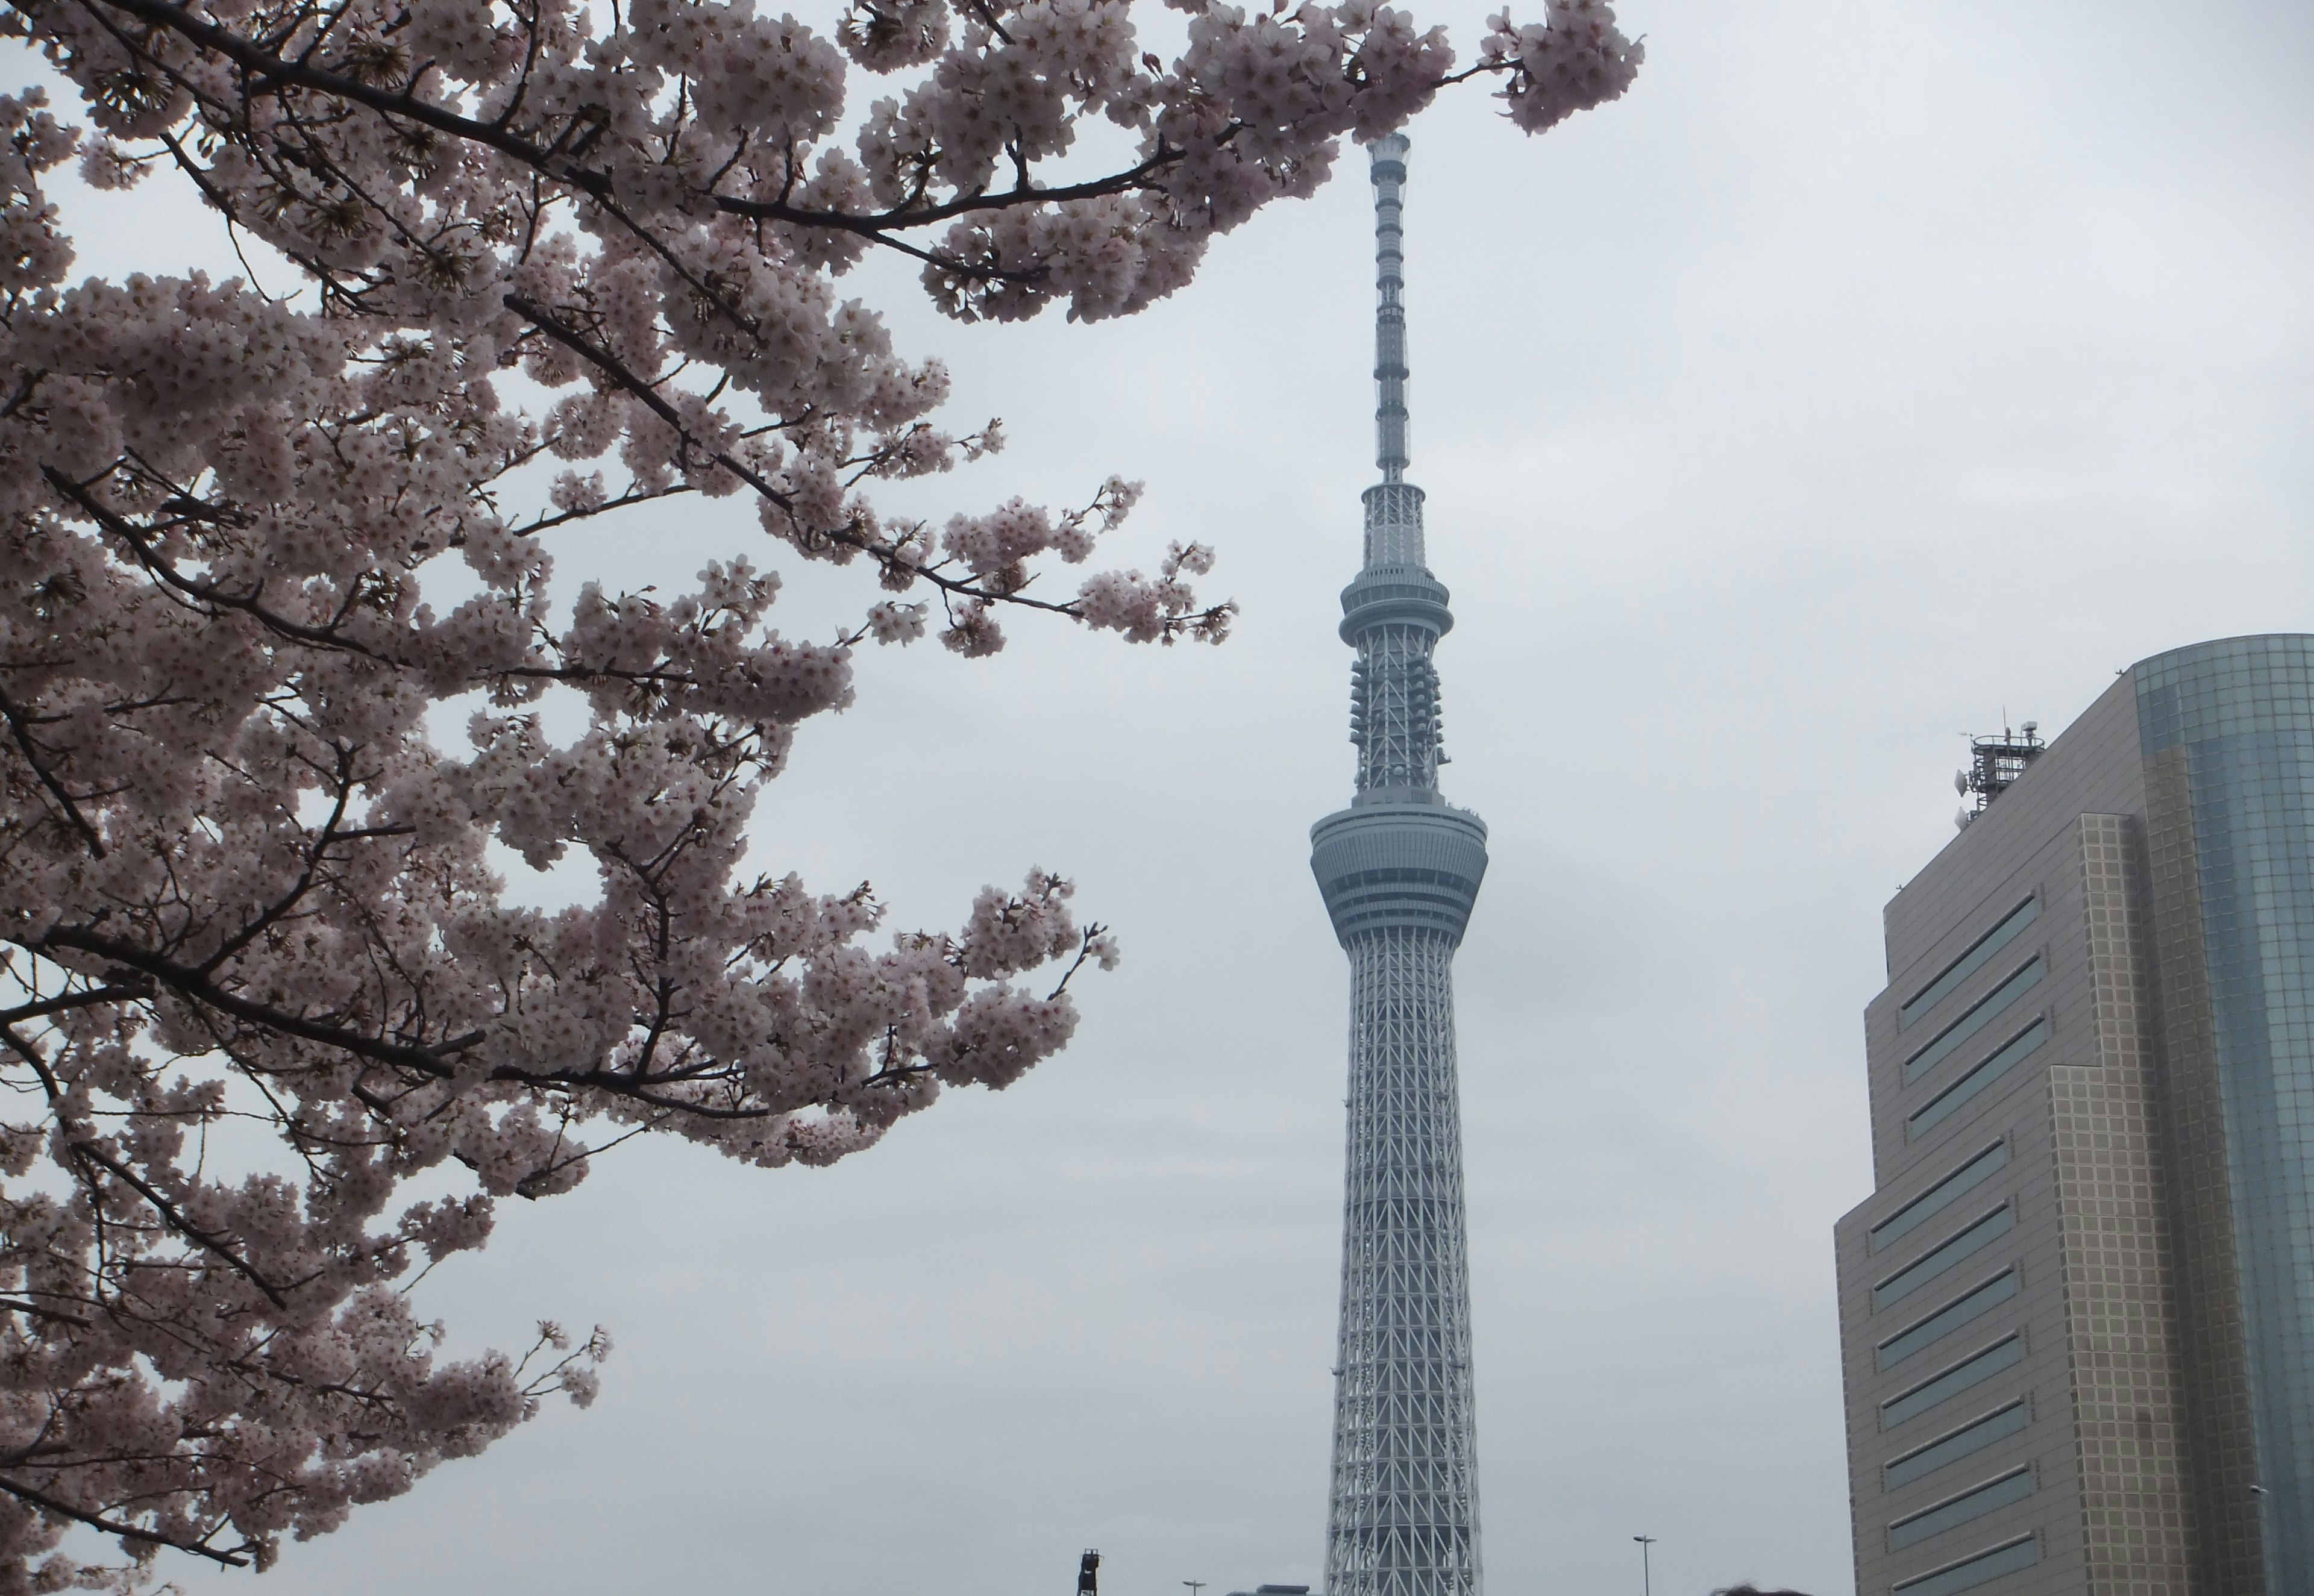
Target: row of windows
point(1975, 958)
point(1396, 874)
point(1974, 1503)
point(1966, 1574)
point(1980, 1014)
point(2011, 1418)
point(1395, 913)
point(1970, 1439)
point(1372, 592)
point(1945, 1321)
point(1938, 1197)
point(1949, 1102)
point(1977, 1237)
point(1972, 1371)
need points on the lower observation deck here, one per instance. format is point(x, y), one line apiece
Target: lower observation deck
point(1406, 594)
point(1408, 865)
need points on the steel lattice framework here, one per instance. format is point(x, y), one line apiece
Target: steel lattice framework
point(1401, 870)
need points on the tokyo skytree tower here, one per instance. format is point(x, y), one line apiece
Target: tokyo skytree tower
point(1399, 871)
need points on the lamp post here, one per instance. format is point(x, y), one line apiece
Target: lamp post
point(1647, 1575)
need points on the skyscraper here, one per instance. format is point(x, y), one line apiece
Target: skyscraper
point(2077, 1316)
point(1399, 870)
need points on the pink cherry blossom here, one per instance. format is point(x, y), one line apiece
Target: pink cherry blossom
point(249, 545)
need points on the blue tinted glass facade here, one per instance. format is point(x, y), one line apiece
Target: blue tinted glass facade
point(2242, 712)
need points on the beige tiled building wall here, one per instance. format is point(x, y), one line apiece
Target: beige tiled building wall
point(2121, 1310)
point(2082, 1490)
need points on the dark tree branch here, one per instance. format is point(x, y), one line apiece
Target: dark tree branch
point(20, 728)
point(66, 1510)
point(631, 383)
point(189, 981)
point(272, 70)
point(119, 992)
point(178, 1223)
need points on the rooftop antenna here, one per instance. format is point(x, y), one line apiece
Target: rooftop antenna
point(1995, 764)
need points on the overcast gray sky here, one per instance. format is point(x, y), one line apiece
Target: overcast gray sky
point(1871, 371)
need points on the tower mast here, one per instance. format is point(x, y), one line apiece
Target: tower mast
point(1399, 870)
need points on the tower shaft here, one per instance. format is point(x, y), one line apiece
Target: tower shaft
point(1404, 1509)
point(1399, 870)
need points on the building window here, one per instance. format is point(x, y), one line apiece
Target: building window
point(1980, 1014)
point(1980, 954)
point(2006, 1558)
point(1945, 1321)
point(1994, 1494)
point(1983, 1234)
point(1949, 1102)
point(1967, 1441)
point(1974, 1369)
point(1938, 1197)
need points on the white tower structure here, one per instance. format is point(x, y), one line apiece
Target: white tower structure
point(1399, 870)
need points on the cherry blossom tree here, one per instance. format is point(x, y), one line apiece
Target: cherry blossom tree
point(259, 986)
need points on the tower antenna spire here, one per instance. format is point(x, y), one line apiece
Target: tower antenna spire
point(1390, 308)
point(1393, 505)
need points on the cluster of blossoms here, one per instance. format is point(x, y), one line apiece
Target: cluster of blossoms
point(1574, 59)
point(245, 896)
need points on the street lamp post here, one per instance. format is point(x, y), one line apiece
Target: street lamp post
point(1647, 1575)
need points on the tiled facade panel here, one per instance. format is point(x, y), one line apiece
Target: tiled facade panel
point(2120, 1310)
point(2241, 712)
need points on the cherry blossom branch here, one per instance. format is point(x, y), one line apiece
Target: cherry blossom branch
point(205, 592)
point(20, 728)
point(439, 1061)
point(272, 70)
point(630, 383)
point(66, 1510)
point(1096, 945)
point(330, 636)
point(177, 1221)
point(91, 998)
point(272, 913)
point(11, 1305)
point(543, 522)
